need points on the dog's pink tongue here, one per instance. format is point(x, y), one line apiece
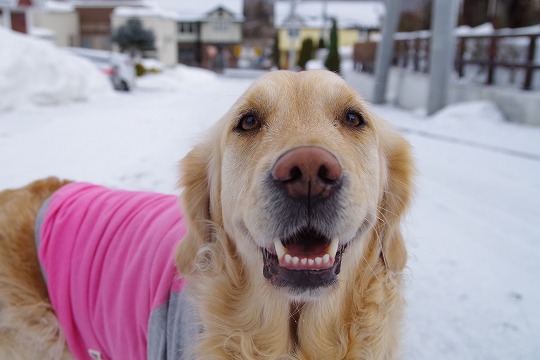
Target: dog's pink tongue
point(306, 251)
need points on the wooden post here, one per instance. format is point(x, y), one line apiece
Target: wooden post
point(527, 85)
point(460, 66)
point(492, 53)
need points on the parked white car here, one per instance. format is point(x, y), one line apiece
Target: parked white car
point(117, 66)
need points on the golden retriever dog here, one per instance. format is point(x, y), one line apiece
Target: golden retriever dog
point(293, 203)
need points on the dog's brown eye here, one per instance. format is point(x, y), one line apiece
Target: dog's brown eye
point(249, 123)
point(354, 119)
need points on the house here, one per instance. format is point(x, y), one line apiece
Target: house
point(95, 21)
point(84, 23)
point(15, 14)
point(356, 20)
point(50, 20)
point(206, 34)
point(186, 34)
point(56, 21)
point(209, 39)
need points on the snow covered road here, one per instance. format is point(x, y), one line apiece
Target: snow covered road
point(473, 232)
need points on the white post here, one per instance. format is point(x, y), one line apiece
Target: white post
point(385, 49)
point(442, 51)
point(293, 33)
point(323, 21)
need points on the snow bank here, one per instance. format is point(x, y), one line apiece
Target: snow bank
point(36, 72)
point(478, 124)
point(179, 78)
point(470, 112)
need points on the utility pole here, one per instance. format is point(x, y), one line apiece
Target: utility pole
point(323, 22)
point(442, 49)
point(385, 49)
point(294, 32)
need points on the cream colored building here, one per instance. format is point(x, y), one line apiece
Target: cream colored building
point(221, 26)
point(61, 21)
point(162, 23)
point(209, 38)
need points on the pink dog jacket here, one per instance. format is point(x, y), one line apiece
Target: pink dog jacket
point(107, 257)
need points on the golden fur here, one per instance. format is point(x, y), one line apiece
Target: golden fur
point(243, 315)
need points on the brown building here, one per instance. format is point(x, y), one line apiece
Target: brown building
point(95, 21)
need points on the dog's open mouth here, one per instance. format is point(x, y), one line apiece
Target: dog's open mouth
point(306, 260)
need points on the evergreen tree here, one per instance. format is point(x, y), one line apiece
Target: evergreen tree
point(133, 37)
point(332, 62)
point(306, 52)
point(321, 43)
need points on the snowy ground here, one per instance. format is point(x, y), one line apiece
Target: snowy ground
point(473, 232)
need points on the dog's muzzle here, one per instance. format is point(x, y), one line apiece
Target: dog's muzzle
point(305, 184)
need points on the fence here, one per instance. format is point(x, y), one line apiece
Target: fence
point(504, 57)
point(478, 57)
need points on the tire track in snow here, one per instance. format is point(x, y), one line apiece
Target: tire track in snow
point(473, 144)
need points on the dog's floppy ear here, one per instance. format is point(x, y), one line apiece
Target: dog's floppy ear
point(398, 188)
point(198, 182)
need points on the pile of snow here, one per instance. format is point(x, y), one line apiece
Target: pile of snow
point(478, 124)
point(36, 72)
point(179, 78)
point(152, 64)
point(471, 112)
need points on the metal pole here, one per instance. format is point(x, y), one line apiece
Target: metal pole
point(323, 22)
point(385, 49)
point(293, 35)
point(444, 20)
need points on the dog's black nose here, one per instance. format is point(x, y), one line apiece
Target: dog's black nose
point(308, 172)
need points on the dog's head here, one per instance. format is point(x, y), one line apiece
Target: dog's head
point(298, 174)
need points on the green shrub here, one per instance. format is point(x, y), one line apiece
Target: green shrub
point(140, 69)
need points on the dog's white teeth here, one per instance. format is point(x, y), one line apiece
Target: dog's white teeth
point(326, 259)
point(280, 249)
point(332, 248)
point(288, 258)
point(306, 263)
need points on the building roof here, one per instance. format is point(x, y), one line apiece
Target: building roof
point(197, 10)
point(146, 11)
point(349, 14)
point(58, 6)
point(104, 3)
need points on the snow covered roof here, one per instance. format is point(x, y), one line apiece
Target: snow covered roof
point(349, 14)
point(150, 11)
point(58, 6)
point(198, 10)
point(105, 3)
